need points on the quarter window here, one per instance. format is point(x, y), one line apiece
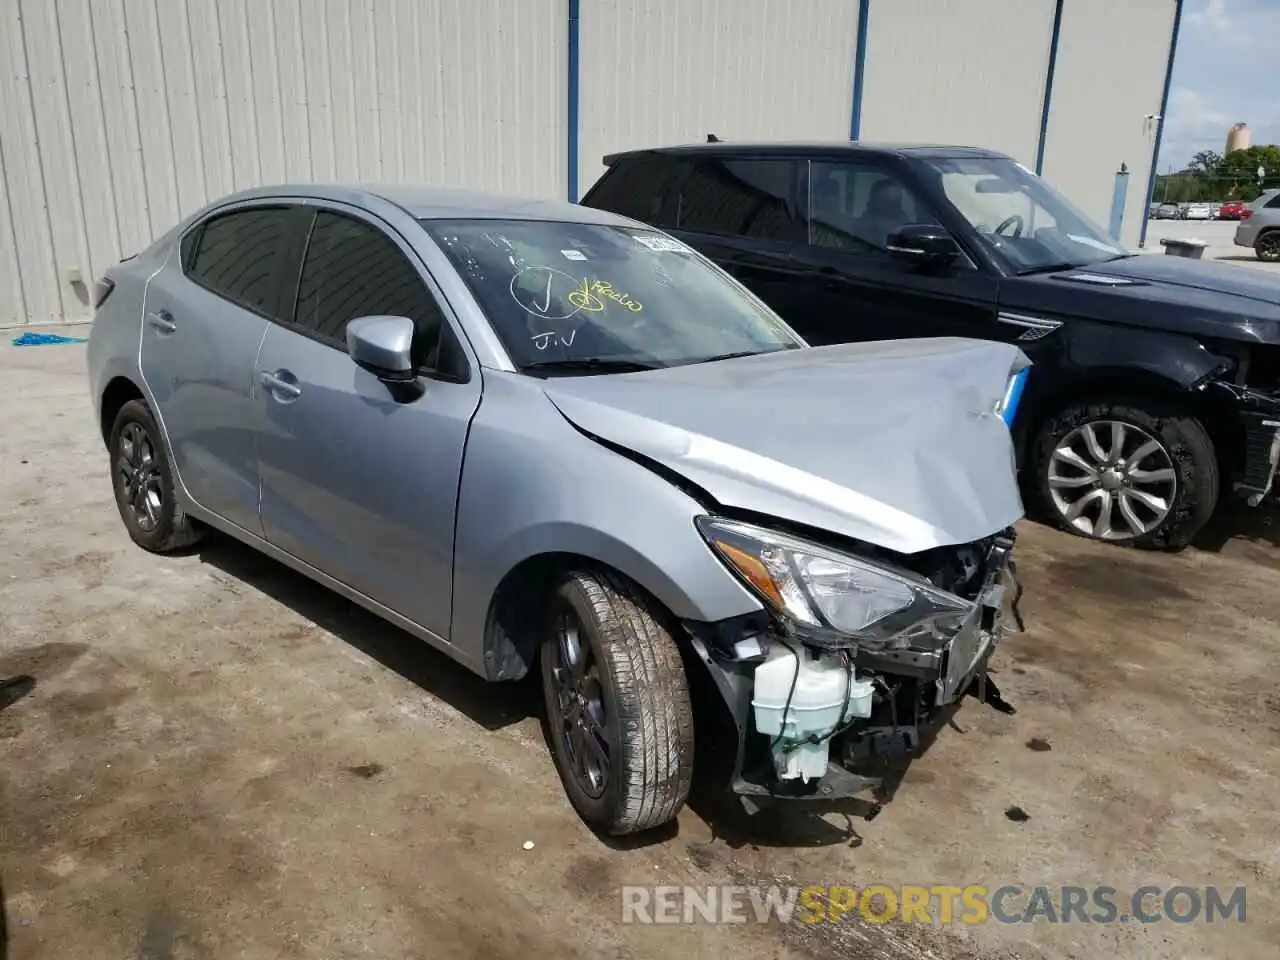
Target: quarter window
point(636, 189)
point(745, 198)
point(354, 270)
point(236, 256)
point(856, 208)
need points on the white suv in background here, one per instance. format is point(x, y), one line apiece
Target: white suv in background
point(1260, 227)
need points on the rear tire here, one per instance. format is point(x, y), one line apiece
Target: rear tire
point(142, 480)
point(1156, 500)
point(627, 679)
point(1267, 247)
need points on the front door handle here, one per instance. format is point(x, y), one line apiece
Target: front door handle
point(282, 385)
point(161, 321)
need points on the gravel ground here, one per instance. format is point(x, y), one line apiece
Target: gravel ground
point(222, 760)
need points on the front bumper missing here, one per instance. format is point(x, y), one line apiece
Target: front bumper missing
point(1261, 455)
point(955, 669)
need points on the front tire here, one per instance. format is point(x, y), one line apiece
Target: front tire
point(143, 483)
point(1140, 473)
point(618, 709)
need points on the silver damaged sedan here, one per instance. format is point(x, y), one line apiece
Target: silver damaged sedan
point(542, 437)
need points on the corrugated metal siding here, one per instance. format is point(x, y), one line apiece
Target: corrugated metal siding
point(1109, 77)
point(660, 73)
point(957, 71)
point(118, 117)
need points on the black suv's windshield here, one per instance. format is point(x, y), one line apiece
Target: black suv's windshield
point(1028, 223)
point(582, 298)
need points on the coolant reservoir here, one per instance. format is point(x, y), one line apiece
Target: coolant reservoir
point(820, 686)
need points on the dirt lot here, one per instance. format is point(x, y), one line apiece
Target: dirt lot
point(222, 760)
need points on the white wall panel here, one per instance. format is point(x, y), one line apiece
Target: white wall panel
point(656, 73)
point(119, 117)
point(957, 71)
point(1109, 77)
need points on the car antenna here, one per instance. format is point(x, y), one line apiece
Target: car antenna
point(712, 138)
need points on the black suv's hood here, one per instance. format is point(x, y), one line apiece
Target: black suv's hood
point(1249, 283)
point(1206, 298)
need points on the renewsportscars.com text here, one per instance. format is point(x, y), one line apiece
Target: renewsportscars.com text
point(932, 904)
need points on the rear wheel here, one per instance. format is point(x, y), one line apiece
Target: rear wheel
point(1267, 247)
point(1139, 472)
point(143, 483)
point(618, 709)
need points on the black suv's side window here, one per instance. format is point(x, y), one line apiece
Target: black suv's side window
point(236, 255)
point(636, 188)
point(352, 269)
point(745, 198)
point(855, 207)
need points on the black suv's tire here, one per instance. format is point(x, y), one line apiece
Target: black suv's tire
point(1267, 247)
point(1179, 471)
point(633, 690)
point(142, 480)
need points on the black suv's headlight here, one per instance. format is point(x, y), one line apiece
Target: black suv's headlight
point(831, 596)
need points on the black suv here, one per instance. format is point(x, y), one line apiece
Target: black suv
point(1157, 378)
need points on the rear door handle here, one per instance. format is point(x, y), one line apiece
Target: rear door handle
point(161, 321)
point(281, 384)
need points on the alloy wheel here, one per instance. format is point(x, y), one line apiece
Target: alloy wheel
point(1112, 480)
point(138, 470)
point(577, 707)
point(1268, 247)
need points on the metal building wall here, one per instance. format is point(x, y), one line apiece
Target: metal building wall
point(1107, 91)
point(118, 117)
point(957, 71)
point(671, 71)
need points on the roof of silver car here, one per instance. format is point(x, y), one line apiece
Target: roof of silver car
point(425, 202)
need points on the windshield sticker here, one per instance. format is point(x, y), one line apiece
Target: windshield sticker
point(660, 244)
point(573, 254)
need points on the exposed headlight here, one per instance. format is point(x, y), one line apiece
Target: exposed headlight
point(824, 592)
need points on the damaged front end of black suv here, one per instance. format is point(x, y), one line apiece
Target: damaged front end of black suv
point(861, 657)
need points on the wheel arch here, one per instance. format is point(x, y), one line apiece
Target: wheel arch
point(510, 634)
point(118, 391)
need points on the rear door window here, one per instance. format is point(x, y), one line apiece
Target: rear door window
point(743, 198)
point(237, 255)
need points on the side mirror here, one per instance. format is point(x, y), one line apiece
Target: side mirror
point(924, 242)
point(383, 345)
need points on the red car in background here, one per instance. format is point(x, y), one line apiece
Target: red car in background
point(1232, 210)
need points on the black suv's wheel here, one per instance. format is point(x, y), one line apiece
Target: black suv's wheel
point(1136, 472)
point(1267, 246)
point(143, 483)
point(618, 709)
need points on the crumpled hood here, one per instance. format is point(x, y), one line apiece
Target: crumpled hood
point(895, 443)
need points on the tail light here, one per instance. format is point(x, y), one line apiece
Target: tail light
point(102, 288)
point(1246, 213)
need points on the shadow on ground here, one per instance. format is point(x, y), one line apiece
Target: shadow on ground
point(1236, 521)
point(415, 660)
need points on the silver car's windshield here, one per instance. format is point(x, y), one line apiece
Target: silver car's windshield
point(1021, 217)
point(584, 297)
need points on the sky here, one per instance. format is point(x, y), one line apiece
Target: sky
point(1227, 70)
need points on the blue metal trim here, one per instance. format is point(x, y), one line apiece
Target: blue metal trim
point(572, 165)
point(1048, 85)
point(1013, 395)
point(859, 66)
point(1164, 107)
